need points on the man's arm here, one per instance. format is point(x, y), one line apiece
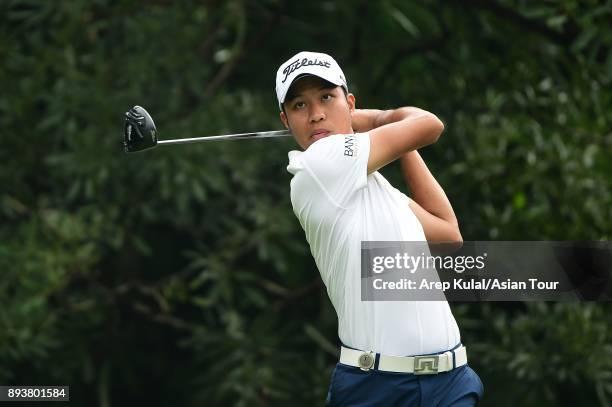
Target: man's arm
point(395, 132)
point(429, 202)
point(414, 127)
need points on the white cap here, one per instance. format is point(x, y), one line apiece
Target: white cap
point(307, 63)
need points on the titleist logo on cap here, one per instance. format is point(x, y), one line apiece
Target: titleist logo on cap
point(301, 63)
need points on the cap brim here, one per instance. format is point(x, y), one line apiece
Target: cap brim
point(302, 76)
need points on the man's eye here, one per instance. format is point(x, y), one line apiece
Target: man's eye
point(327, 96)
point(299, 105)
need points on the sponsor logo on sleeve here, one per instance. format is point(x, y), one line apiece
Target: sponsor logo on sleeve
point(350, 145)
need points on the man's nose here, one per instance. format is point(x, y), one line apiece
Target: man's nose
point(316, 114)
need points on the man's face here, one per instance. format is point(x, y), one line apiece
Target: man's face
point(313, 110)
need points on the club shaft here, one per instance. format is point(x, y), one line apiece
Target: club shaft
point(260, 134)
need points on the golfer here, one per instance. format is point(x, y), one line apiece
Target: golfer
point(393, 353)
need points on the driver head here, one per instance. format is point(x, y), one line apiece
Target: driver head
point(139, 132)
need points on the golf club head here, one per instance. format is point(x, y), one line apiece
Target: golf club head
point(139, 132)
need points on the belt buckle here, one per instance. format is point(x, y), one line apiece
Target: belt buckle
point(425, 364)
point(366, 361)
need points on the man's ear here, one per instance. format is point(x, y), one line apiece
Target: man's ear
point(350, 99)
point(283, 118)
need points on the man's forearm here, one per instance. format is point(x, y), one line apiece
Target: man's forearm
point(395, 115)
point(424, 188)
point(368, 119)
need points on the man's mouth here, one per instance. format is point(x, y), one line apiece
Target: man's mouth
point(319, 134)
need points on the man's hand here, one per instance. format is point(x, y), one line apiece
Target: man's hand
point(364, 120)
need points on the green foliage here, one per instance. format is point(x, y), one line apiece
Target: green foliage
point(180, 276)
point(548, 353)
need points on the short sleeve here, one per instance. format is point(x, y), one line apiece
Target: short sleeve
point(338, 164)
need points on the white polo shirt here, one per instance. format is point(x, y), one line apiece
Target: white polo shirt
point(339, 205)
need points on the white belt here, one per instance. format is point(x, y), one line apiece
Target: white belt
point(425, 364)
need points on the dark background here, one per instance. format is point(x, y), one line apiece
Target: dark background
point(180, 276)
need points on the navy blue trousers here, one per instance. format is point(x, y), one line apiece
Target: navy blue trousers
point(351, 386)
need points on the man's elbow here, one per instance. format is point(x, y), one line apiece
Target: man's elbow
point(437, 127)
point(452, 243)
point(453, 238)
point(448, 243)
point(453, 230)
point(457, 238)
point(445, 240)
point(433, 128)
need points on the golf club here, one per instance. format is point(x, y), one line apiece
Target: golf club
point(140, 133)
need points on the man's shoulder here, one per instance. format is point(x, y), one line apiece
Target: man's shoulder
point(313, 152)
point(344, 145)
point(335, 166)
